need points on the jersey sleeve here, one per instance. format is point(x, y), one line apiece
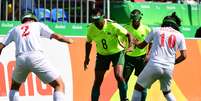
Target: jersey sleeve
point(120, 30)
point(45, 31)
point(150, 36)
point(9, 38)
point(182, 44)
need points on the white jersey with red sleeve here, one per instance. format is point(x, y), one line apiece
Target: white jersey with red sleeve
point(165, 42)
point(27, 36)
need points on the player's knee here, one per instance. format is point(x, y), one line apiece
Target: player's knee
point(166, 92)
point(119, 76)
point(15, 85)
point(58, 84)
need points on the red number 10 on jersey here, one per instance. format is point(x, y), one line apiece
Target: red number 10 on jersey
point(171, 40)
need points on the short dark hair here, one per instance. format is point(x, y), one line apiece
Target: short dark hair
point(136, 14)
point(172, 21)
point(28, 16)
point(95, 11)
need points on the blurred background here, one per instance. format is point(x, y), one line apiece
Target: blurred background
point(71, 18)
point(78, 12)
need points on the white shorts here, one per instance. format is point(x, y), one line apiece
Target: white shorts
point(153, 72)
point(34, 62)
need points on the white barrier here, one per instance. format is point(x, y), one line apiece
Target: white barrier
point(34, 89)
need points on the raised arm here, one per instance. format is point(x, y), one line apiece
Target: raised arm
point(61, 38)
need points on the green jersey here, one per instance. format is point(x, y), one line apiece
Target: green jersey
point(106, 39)
point(140, 34)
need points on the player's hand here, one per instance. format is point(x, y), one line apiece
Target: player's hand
point(129, 49)
point(135, 41)
point(86, 62)
point(70, 41)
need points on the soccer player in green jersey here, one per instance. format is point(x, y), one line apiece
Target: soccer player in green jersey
point(106, 34)
point(136, 59)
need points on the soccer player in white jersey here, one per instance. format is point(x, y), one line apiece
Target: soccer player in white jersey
point(166, 40)
point(30, 58)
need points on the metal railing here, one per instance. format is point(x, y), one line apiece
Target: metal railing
point(74, 11)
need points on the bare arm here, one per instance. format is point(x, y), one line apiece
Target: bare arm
point(1, 47)
point(61, 38)
point(130, 39)
point(148, 53)
point(182, 57)
point(140, 45)
point(130, 42)
point(88, 46)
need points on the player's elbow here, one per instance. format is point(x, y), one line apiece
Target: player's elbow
point(183, 54)
point(1, 47)
point(57, 37)
point(142, 45)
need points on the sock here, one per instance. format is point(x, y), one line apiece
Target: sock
point(144, 95)
point(136, 95)
point(170, 97)
point(14, 95)
point(95, 94)
point(58, 96)
point(122, 90)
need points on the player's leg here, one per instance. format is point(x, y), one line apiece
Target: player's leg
point(99, 75)
point(59, 89)
point(118, 71)
point(54, 79)
point(118, 60)
point(139, 63)
point(165, 82)
point(14, 91)
point(128, 68)
point(19, 75)
point(137, 93)
point(146, 78)
point(48, 74)
point(102, 65)
point(169, 96)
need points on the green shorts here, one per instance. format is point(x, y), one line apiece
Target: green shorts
point(103, 61)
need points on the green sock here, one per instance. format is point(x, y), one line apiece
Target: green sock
point(122, 90)
point(95, 94)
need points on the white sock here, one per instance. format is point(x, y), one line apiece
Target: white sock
point(170, 97)
point(14, 95)
point(136, 95)
point(58, 96)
